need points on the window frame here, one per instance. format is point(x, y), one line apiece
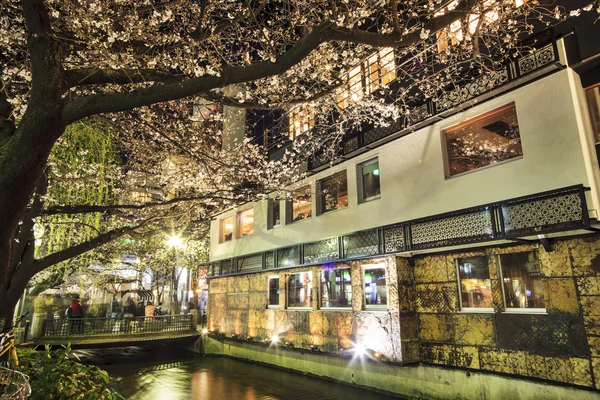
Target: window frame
point(309, 294)
point(289, 217)
point(240, 223)
point(360, 184)
point(462, 308)
point(472, 121)
point(269, 279)
point(380, 307)
point(222, 222)
point(320, 196)
point(320, 289)
point(518, 310)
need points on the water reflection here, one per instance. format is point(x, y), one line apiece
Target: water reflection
point(148, 374)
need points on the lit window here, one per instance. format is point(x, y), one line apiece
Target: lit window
point(375, 287)
point(301, 120)
point(141, 197)
point(299, 290)
point(245, 220)
point(274, 215)
point(336, 288)
point(485, 140)
point(226, 229)
point(519, 3)
point(273, 291)
point(474, 283)
point(300, 206)
point(368, 181)
point(333, 192)
point(379, 69)
point(522, 281)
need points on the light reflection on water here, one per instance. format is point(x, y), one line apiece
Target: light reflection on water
point(208, 378)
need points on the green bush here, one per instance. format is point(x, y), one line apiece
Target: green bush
point(53, 375)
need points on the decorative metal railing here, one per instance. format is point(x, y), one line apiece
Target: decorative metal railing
point(542, 213)
point(69, 327)
point(544, 54)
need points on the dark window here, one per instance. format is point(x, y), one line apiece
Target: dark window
point(336, 288)
point(486, 140)
point(333, 192)
point(368, 180)
point(522, 281)
point(592, 95)
point(274, 291)
point(299, 290)
point(474, 283)
point(274, 214)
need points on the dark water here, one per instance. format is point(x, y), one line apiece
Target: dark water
point(163, 373)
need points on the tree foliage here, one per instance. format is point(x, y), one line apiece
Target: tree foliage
point(139, 67)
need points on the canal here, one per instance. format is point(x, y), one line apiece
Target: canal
point(164, 373)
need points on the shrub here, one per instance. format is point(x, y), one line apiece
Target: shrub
point(53, 375)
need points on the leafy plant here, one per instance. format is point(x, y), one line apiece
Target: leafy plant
point(54, 375)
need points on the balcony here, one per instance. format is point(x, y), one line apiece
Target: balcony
point(537, 217)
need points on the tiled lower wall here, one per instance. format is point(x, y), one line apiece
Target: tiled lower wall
point(423, 322)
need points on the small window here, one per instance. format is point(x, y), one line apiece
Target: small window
point(336, 288)
point(301, 120)
point(333, 192)
point(300, 206)
point(482, 141)
point(299, 290)
point(274, 291)
point(274, 215)
point(368, 181)
point(522, 281)
point(474, 283)
point(226, 229)
point(245, 220)
point(375, 287)
point(592, 95)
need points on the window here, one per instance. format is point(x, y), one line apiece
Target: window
point(522, 281)
point(300, 206)
point(301, 120)
point(368, 180)
point(378, 70)
point(592, 95)
point(245, 220)
point(336, 288)
point(226, 229)
point(474, 283)
point(333, 192)
point(482, 141)
point(274, 214)
point(273, 291)
point(375, 287)
point(299, 290)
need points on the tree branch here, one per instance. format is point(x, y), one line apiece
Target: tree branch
point(93, 76)
point(101, 103)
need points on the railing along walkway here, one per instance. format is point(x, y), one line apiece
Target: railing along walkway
point(116, 327)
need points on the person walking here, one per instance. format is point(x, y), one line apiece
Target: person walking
point(74, 314)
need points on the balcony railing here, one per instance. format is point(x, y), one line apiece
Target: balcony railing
point(521, 218)
point(543, 58)
point(69, 327)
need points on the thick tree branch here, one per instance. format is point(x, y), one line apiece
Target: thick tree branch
point(101, 103)
point(7, 124)
point(93, 76)
point(83, 209)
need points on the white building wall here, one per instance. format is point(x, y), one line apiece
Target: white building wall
point(413, 182)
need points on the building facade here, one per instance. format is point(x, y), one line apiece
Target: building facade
point(467, 239)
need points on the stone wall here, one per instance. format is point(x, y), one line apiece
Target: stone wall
point(561, 345)
point(424, 323)
point(238, 305)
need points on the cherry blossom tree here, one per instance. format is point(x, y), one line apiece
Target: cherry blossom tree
point(139, 67)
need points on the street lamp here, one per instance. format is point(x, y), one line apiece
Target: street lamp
point(174, 242)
